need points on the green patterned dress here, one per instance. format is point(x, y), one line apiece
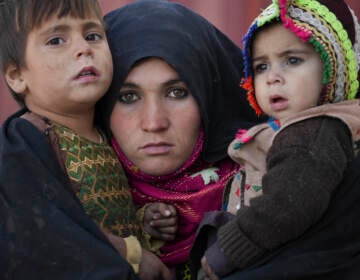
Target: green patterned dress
point(100, 182)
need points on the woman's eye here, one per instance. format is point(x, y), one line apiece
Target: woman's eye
point(94, 37)
point(128, 97)
point(178, 93)
point(55, 41)
point(259, 68)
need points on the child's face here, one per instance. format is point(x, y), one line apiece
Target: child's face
point(287, 72)
point(68, 65)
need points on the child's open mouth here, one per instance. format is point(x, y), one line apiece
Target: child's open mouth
point(278, 103)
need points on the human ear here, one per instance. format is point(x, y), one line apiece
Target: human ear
point(14, 79)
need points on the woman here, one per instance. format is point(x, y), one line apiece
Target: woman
point(174, 105)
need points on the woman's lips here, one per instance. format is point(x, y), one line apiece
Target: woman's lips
point(156, 148)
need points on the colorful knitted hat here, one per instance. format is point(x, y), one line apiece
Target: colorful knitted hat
point(334, 31)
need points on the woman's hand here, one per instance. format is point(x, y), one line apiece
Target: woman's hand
point(160, 221)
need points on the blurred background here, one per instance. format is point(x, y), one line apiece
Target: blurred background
point(233, 17)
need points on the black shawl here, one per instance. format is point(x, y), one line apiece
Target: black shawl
point(209, 63)
point(44, 232)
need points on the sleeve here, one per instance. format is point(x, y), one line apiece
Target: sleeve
point(133, 252)
point(304, 165)
point(217, 260)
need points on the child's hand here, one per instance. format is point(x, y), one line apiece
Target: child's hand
point(160, 221)
point(151, 268)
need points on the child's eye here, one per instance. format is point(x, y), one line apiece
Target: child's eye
point(259, 68)
point(294, 60)
point(178, 93)
point(55, 41)
point(93, 37)
point(128, 97)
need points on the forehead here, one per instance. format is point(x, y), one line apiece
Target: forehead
point(277, 37)
point(152, 66)
point(56, 24)
point(39, 16)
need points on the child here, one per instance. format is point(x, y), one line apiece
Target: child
point(56, 165)
point(300, 58)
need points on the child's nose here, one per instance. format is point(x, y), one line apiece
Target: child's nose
point(83, 48)
point(274, 75)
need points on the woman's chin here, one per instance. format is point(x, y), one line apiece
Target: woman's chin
point(159, 168)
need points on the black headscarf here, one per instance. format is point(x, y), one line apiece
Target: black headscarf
point(208, 61)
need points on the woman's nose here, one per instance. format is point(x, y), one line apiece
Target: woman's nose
point(155, 117)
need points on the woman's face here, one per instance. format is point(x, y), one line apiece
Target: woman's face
point(155, 120)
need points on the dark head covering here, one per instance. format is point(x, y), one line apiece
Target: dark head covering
point(44, 230)
point(208, 62)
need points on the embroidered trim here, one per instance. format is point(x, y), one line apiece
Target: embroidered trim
point(242, 138)
point(356, 46)
point(248, 86)
point(339, 38)
point(208, 175)
point(274, 124)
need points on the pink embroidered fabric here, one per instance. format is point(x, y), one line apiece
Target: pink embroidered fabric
point(186, 190)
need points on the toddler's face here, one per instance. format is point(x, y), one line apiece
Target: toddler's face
point(287, 72)
point(68, 65)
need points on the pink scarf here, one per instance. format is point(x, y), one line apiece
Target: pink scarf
point(196, 188)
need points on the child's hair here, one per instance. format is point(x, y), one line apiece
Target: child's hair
point(19, 17)
point(334, 31)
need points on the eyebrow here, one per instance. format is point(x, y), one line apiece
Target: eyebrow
point(65, 27)
point(166, 84)
point(129, 85)
point(55, 29)
point(285, 53)
point(173, 81)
